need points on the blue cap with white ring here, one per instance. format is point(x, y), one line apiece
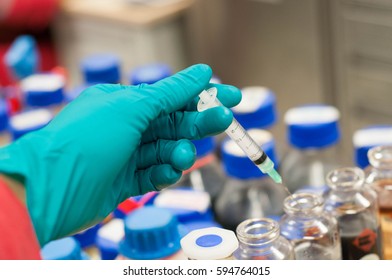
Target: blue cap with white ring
point(313, 126)
point(369, 137)
point(101, 68)
point(41, 90)
point(238, 165)
point(23, 123)
point(3, 115)
point(150, 233)
point(204, 146)
point(63, 249)
point(149, 74)
point(209, 244)
point(257, 108)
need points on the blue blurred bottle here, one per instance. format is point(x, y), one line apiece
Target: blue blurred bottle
point(313, 133)
point(63, 249)
point(151, 233)
point(100, 68)
point(149, 73)
point(369, 137)
point(248, 193)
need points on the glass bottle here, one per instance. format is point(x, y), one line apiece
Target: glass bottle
point(248, 193)
point(206, 174)
point(210, 244)
point(313, 133)
point(260, 239)
point(313, 232)
point(356, 208)
point(151, 233)
point(379, 177)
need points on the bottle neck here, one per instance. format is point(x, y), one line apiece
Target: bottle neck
point(346, 180)
point(257, 234)
point(381, 157)
point(304, 205)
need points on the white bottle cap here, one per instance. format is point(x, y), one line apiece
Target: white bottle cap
point(183, 199)
point(112, 231)
point(209, 244)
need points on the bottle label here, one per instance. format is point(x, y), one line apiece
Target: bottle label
point(363, 246)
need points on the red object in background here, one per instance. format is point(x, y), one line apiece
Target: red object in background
point(28, 17)
point(13, 98)
point(30, 14)
point(17, 236)
point(128, 205)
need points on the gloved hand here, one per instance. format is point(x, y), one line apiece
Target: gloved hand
point(110, 143)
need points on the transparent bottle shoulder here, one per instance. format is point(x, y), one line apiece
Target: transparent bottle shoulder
point(280, 249)
point(307, 168)
point(309, 227)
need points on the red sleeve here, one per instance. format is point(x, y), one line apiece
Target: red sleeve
point(17, 236)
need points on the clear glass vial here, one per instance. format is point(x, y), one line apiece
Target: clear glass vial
point(260, 239)
point(379, 178)
point(356, 209)
point(313, 232)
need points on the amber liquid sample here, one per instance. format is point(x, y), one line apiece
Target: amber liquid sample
point(384, 191)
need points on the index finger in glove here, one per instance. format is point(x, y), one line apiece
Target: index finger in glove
point(180, 89)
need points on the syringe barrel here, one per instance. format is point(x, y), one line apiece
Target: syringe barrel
point(238, 134)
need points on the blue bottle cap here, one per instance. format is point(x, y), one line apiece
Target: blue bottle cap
point(3, 115)
point(312, 126)
point(150, 233)
point(204, 146)
point(237, 164)
point(42, 90)
point(28, 121)
point(101, 68)
point(87, 237)
point(63, 249)
point(186, 204)
point(109, 237)
point(369, 137)
point(149, 74)
point(22, 57)
point(257, 108)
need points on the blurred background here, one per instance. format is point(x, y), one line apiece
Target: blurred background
point(281, 53)
point(306, 51)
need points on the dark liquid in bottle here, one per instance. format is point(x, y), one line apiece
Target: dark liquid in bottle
point(384, 190)
point(366, 245)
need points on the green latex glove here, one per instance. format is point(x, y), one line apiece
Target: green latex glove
point(110, 143)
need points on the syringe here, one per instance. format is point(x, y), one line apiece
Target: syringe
point(208, 99)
